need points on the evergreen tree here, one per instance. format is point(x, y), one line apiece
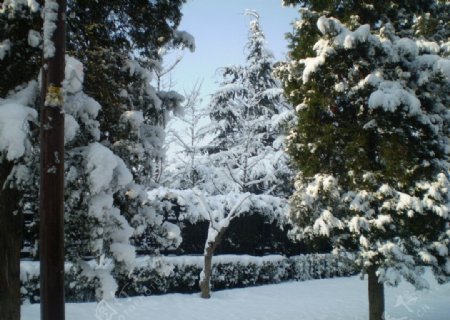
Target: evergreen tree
point(17, 118)
point(19, 62)
point(249, 171)
point(248, 113)
point(371, 141)
point(118, 43)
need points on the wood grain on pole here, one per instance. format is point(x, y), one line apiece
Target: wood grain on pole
point(52, 177)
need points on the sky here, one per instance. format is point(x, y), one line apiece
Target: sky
point(220, 29)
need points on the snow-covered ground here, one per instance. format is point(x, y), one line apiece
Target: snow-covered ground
point(334, 299)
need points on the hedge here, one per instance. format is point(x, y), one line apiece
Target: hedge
point(165, 274)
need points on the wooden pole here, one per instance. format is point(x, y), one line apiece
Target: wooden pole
point(52, 163)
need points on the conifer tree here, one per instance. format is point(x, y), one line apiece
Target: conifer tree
point(249, 170)
point(371, 142)
point(19, 62)
point(118, 45)
point(247, 114)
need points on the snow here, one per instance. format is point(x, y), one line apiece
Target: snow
point(71, 128)
point(326, 25)
point(5, 47)
point(186, 38)
point(325, 222)
point(328, 299)
point(427, 257)
point(14, 128)
point(428, 47)
point(105, 167)
point(84, 109)
point(15, 5)
point(73, 75)
point(134, 118)
point(123, 252)
point(173, 232)
point(390, 95)
point(407, 47)
point(443, 65)
point(357, 224)
point(34, 38)
point(50, 17)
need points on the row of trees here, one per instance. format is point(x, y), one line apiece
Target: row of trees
point(369, 138)
point(371, 84)
point(115, 114)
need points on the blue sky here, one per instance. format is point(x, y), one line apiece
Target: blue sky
point(220, 29)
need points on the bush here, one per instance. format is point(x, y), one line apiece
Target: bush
point(159, 274)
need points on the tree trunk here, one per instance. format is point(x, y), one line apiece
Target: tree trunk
point(376, 296)
point(207, 270)
point(205, 281)
point(10, 245)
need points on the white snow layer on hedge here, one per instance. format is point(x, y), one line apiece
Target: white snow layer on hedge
point(198, 260)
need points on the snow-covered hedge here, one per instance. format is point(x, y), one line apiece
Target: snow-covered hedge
point(157, 275)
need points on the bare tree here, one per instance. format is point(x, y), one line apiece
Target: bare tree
point(187, 135)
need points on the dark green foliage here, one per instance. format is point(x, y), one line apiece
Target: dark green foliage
point(105, 38)
point(22, 63)
point(371, 139)
point(253, 234)
point(250, 234)
point(368, 11)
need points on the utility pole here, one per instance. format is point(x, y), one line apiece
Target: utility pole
point(51, 195)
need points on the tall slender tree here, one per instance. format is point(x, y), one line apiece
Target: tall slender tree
point(249, 172)
point(247, 114)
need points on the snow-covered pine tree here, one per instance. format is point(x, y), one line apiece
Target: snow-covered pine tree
point(111, 45)
point(141, 142)
point(17, 118)
point(134, 110)
point(19, 62)
point(248, 165)
point(371, 142)
point(248, 114)
point(95, 228)
point(124, 55)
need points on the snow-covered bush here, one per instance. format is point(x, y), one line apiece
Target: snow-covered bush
point(156, 275)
